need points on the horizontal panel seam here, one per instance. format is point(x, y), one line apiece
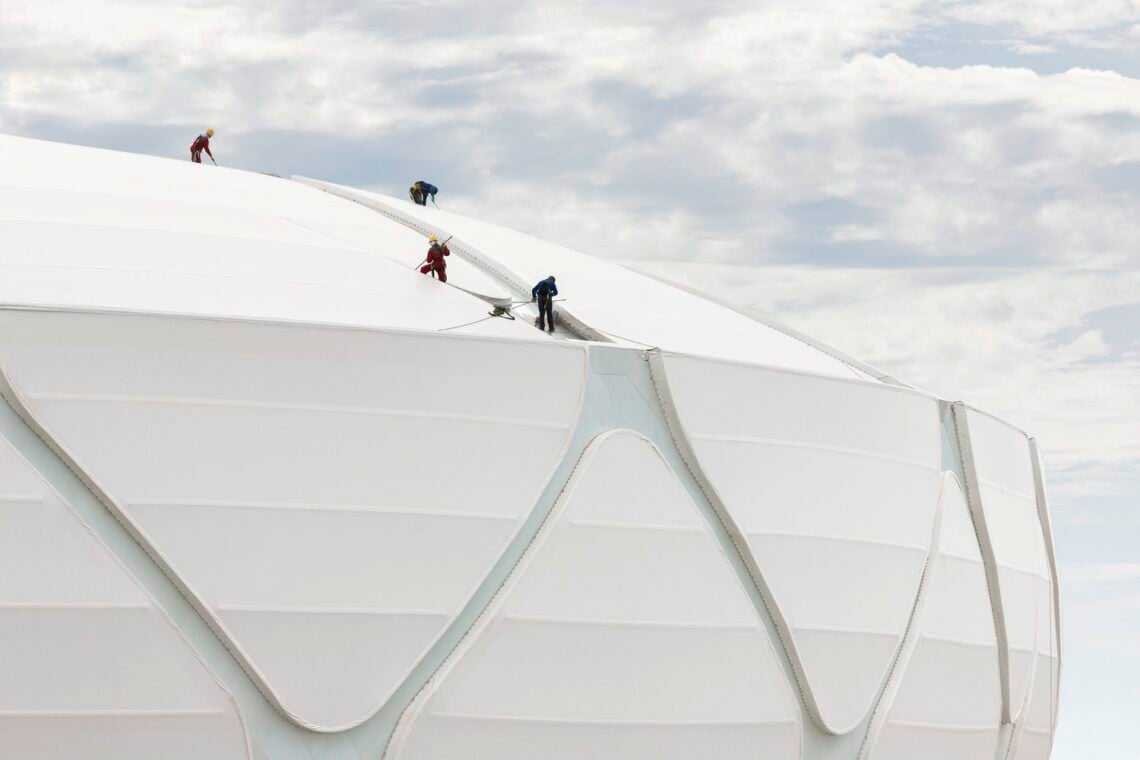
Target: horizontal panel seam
point(958, 642)
point(963, 728)
point(15, 498)
point(845, 629)
point(726, 438)
point(114, 713)
point(65, 606)
point(833, 537)
point(618, 623)
point(616, 722)
point(302, 610)
point(249, 404)
point(661, 527)
point(332, 508)
point(1008, 491)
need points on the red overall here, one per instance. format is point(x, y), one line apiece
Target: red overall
point(202, 143)
point(435, 265)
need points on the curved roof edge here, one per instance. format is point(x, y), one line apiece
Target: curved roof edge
point(791, 332)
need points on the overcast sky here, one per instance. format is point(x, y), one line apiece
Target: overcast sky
point(946, 190)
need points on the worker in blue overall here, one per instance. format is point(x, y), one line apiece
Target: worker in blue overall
point(421, 191)
point(543, 293)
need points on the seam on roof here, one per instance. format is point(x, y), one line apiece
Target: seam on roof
point(659, 377)
point(468, 252)
point(415, 709)
point(995, 418)
point(333, 244)
point(505, 275)
point(174, 203)
point(277, 322)
point(985, 545)
point(240, 403)
point(1051, 555)
point(808, 373)
point(214, 622)
point(900, 663)
point(415, 706)
point(217, 276)
point(1027, 698)
point(865, 453)
point(343, 247)
point(861, 368)
point(507, 548)
point(13, 401)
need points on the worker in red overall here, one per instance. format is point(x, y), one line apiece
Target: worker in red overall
point(202, 143)
point(434, 263)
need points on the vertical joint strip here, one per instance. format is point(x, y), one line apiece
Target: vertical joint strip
point(910, 636)
point(659, 376)
point(958, 411)
point(12, 397)
point(465, 251)
point(1051, 554)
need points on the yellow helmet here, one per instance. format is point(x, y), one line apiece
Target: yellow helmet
point(210, 132)
point(433, 238)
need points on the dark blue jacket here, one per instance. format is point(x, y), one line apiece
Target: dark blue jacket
point(544, 288)
point(428, 188)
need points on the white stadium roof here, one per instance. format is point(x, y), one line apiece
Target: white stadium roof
point(266, 491)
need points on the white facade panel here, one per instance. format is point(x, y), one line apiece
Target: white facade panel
point(619, 302)
point(89, 666)
point(947, 702)
point(801, 465)
point(1033, 736)
point(1007, 493)
point(1055, 637)
point(331, 497)
point(592, 650)
point(328, 452)
point(90, 228)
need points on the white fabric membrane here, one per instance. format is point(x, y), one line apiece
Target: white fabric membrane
point(623, 633)
point(103, 229)
point(800, 464)
point(948, 703)
point(90, 668)
point(331, 497)
point(1008, 497)
point(617, 301)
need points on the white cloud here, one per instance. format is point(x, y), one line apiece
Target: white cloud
point(747, 110)
point(1048, 17)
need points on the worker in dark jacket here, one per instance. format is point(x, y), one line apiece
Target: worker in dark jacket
point(420, 192)
point(434, 263)
point(543, 293)
point(201, 143)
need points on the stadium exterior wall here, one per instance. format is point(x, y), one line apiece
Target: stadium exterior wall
point(270, 493)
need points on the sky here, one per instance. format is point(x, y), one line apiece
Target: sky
point(946, 190)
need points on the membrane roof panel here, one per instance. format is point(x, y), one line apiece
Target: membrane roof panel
point(624, 304)
point(330, 497)
point(101, 229)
